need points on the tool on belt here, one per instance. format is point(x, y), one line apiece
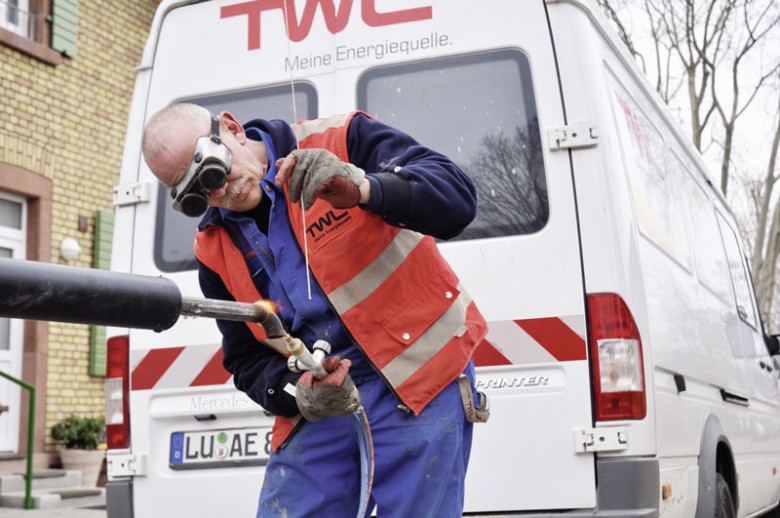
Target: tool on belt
point(44, 291)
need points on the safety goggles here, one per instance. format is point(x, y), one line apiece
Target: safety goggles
point(207, 172)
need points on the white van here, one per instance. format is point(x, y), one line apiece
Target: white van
point(627, 368)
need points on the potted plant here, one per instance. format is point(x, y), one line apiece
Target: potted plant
point(83, 447)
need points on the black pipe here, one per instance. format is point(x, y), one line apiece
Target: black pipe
point(43, 291)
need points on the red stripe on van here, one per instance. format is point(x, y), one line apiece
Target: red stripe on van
point(151, 368)
point(555, 336)
point(487, 355)
point(213, 373)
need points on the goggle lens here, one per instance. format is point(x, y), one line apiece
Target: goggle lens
point(212, 177)
point(194, 205)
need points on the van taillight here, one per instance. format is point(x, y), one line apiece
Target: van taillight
point(117, 393)
point(616, 358)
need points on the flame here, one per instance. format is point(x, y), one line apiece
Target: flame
point(267, 305)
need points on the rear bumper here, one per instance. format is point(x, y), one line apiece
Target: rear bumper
point(626, 488)
point(119, 499)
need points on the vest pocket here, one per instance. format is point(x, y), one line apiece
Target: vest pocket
point(423, 305)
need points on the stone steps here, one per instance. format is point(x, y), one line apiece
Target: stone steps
point(51, 489)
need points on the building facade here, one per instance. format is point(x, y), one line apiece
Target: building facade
point(66, 79)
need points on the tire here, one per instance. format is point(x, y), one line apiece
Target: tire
point(724, 504)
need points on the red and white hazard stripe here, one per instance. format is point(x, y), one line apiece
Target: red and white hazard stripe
point(510, 342)
point(175, 367)
point(533, 340)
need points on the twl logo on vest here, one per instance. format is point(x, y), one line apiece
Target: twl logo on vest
point(335, 18)
point(327, 224)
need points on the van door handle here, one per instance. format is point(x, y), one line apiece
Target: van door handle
point(765, 366)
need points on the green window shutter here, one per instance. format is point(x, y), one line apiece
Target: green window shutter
point(65, 21)
point(97, 351)
point(104, 236)
point(104, 232)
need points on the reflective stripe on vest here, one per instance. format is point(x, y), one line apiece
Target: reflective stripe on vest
point(327, 133)
point(366, 282)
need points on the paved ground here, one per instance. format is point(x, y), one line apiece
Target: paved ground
point(52, 513)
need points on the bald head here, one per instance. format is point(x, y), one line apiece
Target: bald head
point(169, 139)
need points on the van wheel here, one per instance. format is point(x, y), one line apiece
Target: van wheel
point(724, 506)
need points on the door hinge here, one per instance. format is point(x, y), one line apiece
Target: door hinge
point(132, 193)
point(120, 465)
point(613, 438)
point(573, 136)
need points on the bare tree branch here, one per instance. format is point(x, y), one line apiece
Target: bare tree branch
point(625, 36)
point(711, 48)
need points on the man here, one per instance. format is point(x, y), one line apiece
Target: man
point(346, 198)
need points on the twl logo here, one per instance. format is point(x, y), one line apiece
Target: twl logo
point(335, 18)
point(324, 223)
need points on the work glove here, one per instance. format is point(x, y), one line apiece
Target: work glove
point(318, 173)
point(334, 395)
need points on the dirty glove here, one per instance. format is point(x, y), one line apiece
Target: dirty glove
point(334, 395)
point(318, 173)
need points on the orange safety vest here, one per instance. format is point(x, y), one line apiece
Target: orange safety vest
point(392, 289)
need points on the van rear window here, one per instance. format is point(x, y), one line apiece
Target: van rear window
point(174, 232)
point(479, 110)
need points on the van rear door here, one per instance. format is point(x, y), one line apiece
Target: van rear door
point(484, 97)
point(490, 109)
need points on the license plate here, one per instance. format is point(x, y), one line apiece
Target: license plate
point(220, 448)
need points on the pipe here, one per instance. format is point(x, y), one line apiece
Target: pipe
point(43, 291)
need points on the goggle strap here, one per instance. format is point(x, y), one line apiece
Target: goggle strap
point(215, 129)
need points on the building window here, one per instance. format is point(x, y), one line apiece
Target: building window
point(43, 29)
point(15, 17)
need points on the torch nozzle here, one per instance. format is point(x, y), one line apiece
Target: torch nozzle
point(235, 311)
